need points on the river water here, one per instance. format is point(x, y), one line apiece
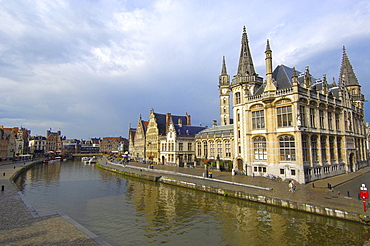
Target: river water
point(129, 211)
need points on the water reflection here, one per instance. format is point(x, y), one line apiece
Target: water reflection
point(128, 211)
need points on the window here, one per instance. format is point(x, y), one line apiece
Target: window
point(330, 120)
point(205, 149)
point(331, 149)
point(190, 147)
point(292, 172)
point(339, 148)
point(199, 145)
point(181, 146)
point(258, 119)
point(305, 149)
point(284, 115)
point(337, 122)
point(321, 119)
point(260, 152)
point(312, 118)
point(287, 148)
point(323, 148)
point(302, 112)
point(237, 115)
point(219, 148)
point(314, 148)
point(345, 122)
point(282, 171)
point(237, 98)
point(212, 148)
point(227, 149)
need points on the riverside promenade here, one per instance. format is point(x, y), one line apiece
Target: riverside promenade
point(20, 224)
point(341, 202)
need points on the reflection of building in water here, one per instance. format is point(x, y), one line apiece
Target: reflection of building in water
point(289, 125)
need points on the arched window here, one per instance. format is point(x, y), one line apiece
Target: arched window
point(260, 152)
point(287, 148)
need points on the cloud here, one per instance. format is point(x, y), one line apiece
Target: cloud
point(90, 67)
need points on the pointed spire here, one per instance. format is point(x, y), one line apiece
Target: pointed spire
point(246, 66)
point(224, 78)
point(223, 70)
point(268, 58)
point(334, 84)
point(347, 75)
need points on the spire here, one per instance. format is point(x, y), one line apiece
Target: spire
point(224, 78)
point(347, 76)
point(246, 66)
point(223, 70)
point(269, 84)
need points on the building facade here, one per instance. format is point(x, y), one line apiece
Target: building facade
point(292, 125)
point(137, 140)
point(177, 146)
point(113, 144)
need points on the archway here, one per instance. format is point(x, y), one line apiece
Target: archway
point(240, 165)
point(163, 159)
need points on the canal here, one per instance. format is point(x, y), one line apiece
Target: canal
point(129, 211)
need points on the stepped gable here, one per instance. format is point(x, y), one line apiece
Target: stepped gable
point(163, 122)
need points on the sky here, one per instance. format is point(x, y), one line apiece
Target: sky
point(92, 67)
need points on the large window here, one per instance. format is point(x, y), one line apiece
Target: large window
point(237, 98)
point(212, 148)
point(284, 116)
point(227, 149)
point(219, 149)
point(322, 119)
point(314, 148)
point(258, 119)
point(287, 148)
point(302, 112)
point(331, 149)
point(199, 145)
point(339, 148)
point(323, 148)
point(305, 148)
point(330, 120)
point(205, 149)
point(260, 152)
point(337, 126)
point(312, 118)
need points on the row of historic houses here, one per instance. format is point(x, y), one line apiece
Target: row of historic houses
point(288, 125)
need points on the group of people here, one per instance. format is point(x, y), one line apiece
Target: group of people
point(292, 186)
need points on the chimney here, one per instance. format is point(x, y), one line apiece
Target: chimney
point(179, 122)
point(187, 119)
point(168, 119)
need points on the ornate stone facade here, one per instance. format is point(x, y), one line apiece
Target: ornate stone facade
point(292, 125)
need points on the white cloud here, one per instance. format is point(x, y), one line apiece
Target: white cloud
point(93, 66)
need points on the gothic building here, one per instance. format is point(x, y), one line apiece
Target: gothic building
point(291, 125)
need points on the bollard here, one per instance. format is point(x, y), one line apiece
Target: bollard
point(313, 185)
point(2, 188)
point(3, 174)
point(14, 167)
point(348, 194)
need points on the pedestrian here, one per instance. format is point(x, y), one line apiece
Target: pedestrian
point(293, 185)
point(290, 186)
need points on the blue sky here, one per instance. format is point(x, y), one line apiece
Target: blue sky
point(91, 67)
